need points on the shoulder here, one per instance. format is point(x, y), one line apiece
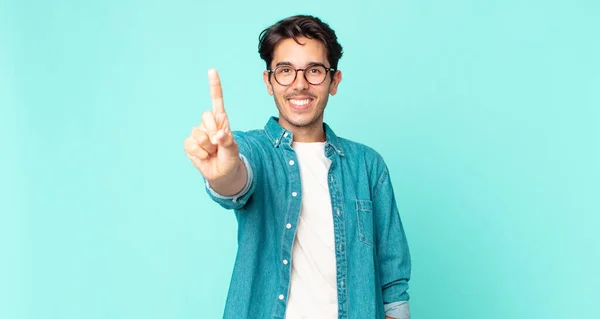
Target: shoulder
point(371, 158)
point(354, 148)
point(372, 162)
point(255, 135)
point(252, 140)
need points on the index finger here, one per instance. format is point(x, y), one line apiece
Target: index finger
point(216, 92)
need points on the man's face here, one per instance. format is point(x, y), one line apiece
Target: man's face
point(300, 103)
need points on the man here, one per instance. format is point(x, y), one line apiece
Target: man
point(319, 233)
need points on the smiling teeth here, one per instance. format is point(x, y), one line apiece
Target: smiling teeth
point(299, 102)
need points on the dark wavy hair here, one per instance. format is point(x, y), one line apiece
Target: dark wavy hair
point(297, 26)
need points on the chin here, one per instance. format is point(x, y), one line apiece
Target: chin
point(303, 120)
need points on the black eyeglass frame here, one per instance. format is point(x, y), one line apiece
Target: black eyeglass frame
point(327, 70)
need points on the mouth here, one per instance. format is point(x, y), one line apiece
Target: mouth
point(300, 103)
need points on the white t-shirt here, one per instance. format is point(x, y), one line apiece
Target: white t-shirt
point(313, 285)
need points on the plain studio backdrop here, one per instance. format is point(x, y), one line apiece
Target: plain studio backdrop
point(487, 113)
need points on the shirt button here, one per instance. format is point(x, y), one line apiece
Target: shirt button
point(280, 297)
point(294, 194)
point(285, 262)
point(288, 226)
point(338, 211)
point(285, 134)
point(340, 247)
point(342, 283)
point(291, 162)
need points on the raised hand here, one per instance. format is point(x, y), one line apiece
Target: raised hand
point(211, 146)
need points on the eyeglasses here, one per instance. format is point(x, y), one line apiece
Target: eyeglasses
point(314, 74)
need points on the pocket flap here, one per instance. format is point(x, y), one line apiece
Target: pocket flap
point(364, 205)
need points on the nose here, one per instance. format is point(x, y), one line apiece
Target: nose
point(300, 83)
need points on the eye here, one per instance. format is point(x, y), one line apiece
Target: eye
point(315, 71)
point(285, 70)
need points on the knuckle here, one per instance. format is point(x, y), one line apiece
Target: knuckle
point(187, 143)
point(198, 133)
point(202, 138)
point(190, 149)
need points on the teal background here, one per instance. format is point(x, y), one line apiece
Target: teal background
point(487, 113)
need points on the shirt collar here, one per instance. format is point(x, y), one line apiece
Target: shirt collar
point(277, 135)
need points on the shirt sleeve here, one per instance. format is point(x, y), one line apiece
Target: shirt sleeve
point(392, 247)
point(240, 199)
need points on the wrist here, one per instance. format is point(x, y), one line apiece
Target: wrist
point(227, 182)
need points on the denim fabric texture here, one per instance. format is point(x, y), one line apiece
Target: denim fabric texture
point(373, 263)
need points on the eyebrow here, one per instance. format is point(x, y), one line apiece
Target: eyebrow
point(286, 63)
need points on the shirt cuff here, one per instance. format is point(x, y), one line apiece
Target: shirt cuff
point(397, 310)
point(234, 198)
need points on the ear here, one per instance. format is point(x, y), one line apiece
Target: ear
point(337, 78)
point(267, 82)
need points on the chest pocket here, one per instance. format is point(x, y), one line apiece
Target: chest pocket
point(364, 212)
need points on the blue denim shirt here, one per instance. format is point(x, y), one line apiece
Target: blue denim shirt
point(372, 256)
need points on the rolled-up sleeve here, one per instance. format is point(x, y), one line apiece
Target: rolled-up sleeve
point(392, 249)
point(397, 310)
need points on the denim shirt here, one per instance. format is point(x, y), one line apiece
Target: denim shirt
point(372, 256)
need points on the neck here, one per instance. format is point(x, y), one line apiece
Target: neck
point(306, 134)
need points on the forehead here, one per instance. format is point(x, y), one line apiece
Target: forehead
point(299, 55)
